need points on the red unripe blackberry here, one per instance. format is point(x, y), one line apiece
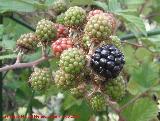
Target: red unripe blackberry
point(62, 31)
point(107, 61)
point(60, 45)
point(93, 13)
point(111, 19)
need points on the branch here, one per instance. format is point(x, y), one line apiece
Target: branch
point(25, 65)
point(132, 36)
point(22, 23)
point(133, 44)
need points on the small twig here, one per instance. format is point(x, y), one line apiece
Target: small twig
point(25, 65)
point(133, 44)
point(143, 6)
point(19, 57)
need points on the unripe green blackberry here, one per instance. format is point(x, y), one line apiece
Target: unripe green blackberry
point(114, 40)
point(40, 79)
point(86, 41)
point(64, 80)
point(97, 102)
point(78, 91)
point(27, 42)
point(45, 30)
point(98, 27)
point(115, 88)
point(59, 6)
point(74, 16)
point(60, 18)
point(72, 60)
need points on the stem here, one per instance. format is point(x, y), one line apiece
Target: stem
point(1, 79)
point(29, 105)
point(25, 65)
point(133, 100)
point(132, 36)
point(21, 22)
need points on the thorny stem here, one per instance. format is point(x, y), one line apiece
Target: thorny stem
point(25, 65)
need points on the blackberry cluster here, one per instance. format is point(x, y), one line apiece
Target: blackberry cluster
point(107, 61)
point(72, 37)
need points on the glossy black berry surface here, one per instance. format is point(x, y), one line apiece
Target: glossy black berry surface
point(107, 61)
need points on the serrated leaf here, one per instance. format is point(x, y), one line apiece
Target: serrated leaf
point(144, 77)
point(10, 56)
point(135, 24)
point(142, 110)
point(134, 88)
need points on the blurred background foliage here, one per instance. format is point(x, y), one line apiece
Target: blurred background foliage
point(139, 23)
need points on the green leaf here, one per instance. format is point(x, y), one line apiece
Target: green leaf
point(82, 2)
point(1, 30)
point(37, 104)
point(142, 110)
point(102, 5)
point(143, 78)
point(19, 5)
point(143, 52)
point(134, 88)
point(135, 24)
point(80, 110)
point(114, 5)
point(10, 56)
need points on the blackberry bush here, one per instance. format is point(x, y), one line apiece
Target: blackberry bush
point(82, 47)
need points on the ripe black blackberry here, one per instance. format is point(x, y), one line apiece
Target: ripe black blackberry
point(107, 61)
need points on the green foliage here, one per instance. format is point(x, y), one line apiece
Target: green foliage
point(142, 110)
